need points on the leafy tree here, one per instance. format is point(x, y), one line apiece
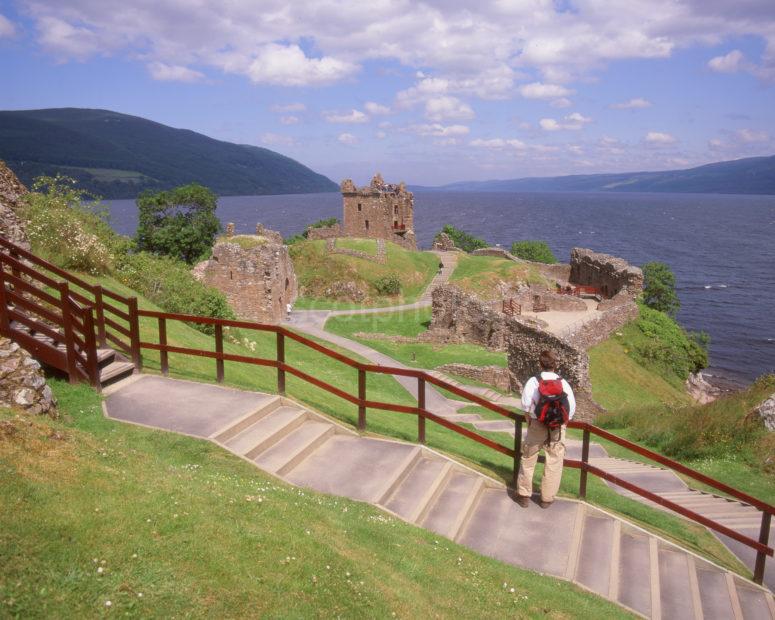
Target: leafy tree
point(180, 223)
point(659, 288)
point(464, 240)
point(331, 221)
point(537, 251)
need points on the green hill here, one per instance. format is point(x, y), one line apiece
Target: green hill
point(117, 155)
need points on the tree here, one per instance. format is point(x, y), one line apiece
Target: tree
point(179, 223)
point(537, 251)
point(659, 288)
point(464, 240)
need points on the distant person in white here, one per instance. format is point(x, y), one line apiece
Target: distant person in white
point(540, 436)
point(289, 309)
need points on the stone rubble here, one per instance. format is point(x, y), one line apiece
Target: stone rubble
point(766, 411)
point(22, 382)
point(11, 192)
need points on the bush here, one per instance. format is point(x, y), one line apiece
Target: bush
point(180, 223)
point(331, 221)
point(65, 229)
point(388, 285)
point(168, 283)
point(536, 251)
point(659, 288)
point(464, 240)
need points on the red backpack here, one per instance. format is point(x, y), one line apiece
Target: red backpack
point(552, 407)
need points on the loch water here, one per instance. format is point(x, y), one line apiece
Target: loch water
point(721, 247)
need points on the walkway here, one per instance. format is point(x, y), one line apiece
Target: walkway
point(589, 547)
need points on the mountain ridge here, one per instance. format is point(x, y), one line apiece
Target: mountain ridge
point(118, 155)
point(751, 175)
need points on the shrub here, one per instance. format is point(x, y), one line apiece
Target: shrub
point(388, 285)
point(331, 221)
point(168, 283)
point(464, 240)
point(536, 251)
point(66, 229)
point(180, 223)
point(659, 288)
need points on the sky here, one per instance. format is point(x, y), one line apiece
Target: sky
point(425, 92)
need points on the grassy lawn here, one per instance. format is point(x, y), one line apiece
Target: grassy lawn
point(318, 270)
point(411, 323)
point(100, 518)
point(481, 275)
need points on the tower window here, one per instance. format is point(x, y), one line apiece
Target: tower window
point(360, 207)
point(367, 224)
point(395, 210)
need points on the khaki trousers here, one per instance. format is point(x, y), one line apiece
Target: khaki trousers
point(554, 449)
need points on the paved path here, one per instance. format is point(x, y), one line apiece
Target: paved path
point(587, 546)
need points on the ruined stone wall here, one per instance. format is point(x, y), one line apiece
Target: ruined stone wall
point(258, 281)
point(380, 257)
point(496, 376)
point(22, 383)
point(498, 252)
point(609, 273)
point(327, 232)
point(379, 211)
point(11, 192)
point(593, 332)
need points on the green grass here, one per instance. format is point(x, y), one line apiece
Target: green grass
point(181, 528)
point(367, 246)
point(481, 275)
point(246, 242)
point(318, 270)
point(411, 323)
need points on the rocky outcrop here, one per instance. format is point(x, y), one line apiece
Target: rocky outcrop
point(443, 243)
point(324, 232)
point(11, 192)
point(701, 391)
point(22, 383)
point(608, 273)
point(256, 274)
point(496, 376)
point(766, 411)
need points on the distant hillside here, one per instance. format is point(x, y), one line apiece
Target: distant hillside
point(754, 175)
point(117, 156)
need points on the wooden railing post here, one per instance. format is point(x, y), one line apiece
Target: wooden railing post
point(90, 341)
point(584, 463)
point(134, 334)
point(100, 311)
point(761, 557)
point(5, 321)
point(280, 363)
point(517, 450)
point(361, 399)
point(67, 328)
point(421, 407)
point(163, 355)
point(219, 349)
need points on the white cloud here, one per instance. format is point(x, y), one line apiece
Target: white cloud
point(437, 129)
point(289, 120)
point(381, 135)
point(537, 90)
point(287, 65)
point(447, 108)
point(729, 63)
point(573, 121)
point(632, 104)
point(498, 143)
point(376, 109)
point(276, 139)
point(562, 102)
point(289, 107)
point(353, 117)
point(748, 136)
point(7, 28)
point(347, 138)
point(173, 73)
point(660, 138)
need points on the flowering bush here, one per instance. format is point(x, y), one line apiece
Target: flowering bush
point(66, 229)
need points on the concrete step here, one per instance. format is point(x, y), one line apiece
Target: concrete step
point(443, 517)
point(635, 573)
point(675, 585)
point(266, 431)
point(405, 499)
point(283, 456)
point(594, 563)
point(115, 371)
point(753, 603)
point(714, 593)
point(240, 424)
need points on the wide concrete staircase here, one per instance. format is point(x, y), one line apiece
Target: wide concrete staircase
point(570, 540)
point(449, 260)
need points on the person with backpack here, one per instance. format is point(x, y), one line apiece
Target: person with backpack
point(549, 403)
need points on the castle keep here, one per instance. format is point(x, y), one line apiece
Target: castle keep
point(379, 211)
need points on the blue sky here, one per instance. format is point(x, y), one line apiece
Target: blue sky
point(426, 92)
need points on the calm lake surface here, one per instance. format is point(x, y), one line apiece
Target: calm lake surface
point(721, 248)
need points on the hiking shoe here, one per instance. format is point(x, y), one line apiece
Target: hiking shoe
point(523, 501)
point(544, 504)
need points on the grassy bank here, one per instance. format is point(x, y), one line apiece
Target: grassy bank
point(98, 518)
point(482, 275)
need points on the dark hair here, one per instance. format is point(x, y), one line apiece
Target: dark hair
point(548, 360)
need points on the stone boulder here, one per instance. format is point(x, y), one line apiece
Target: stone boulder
point(443, 243)
point(22, 383)
point(11, 192)
point(766, 411)
point(700, 390)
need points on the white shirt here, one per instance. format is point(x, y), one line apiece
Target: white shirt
point(530, 394)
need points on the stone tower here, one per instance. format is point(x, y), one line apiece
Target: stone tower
point(379, 211)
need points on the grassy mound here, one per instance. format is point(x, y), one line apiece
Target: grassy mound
point(321, 274)
point(98, 516)
point(482, 275)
